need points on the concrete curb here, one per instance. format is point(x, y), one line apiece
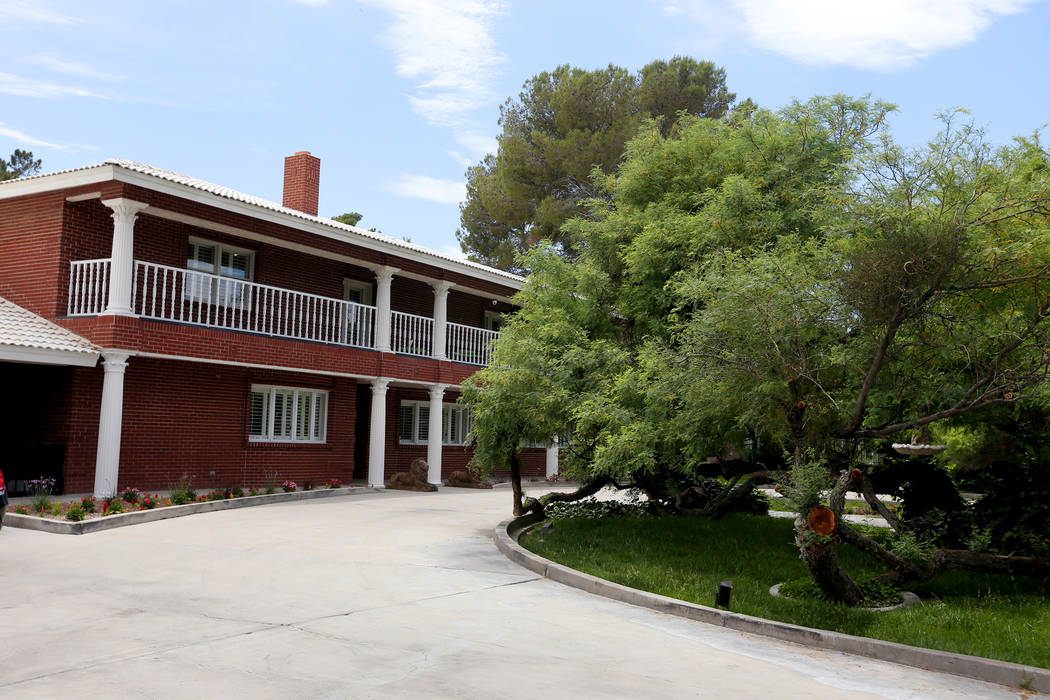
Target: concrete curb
point(1002, 672)
point(59, 527)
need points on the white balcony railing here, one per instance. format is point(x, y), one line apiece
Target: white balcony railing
point(88, 287)
point(411, 334)
point(177, 294)
point(188, 296)
point(469, 344)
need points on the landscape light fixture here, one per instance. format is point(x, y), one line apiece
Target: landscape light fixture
point(725, 591)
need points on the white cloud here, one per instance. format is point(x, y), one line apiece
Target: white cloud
point(429, 188)
point(25, 139)
point(32, 11)
point(312, 3)
point(460, 158)
point(11, 84)
point(885, 35)
point(53, 62)
point(477, 142)
point(447, 48)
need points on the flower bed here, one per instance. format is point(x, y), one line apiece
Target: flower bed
point(131, 499)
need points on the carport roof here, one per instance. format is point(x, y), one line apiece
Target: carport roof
point(28, 337)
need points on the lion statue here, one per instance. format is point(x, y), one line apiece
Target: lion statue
point(414, 480)
point(467, 479)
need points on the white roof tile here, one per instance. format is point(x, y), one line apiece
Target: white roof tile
point(23, 328)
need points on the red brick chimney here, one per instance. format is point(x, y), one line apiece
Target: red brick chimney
point(302, 178)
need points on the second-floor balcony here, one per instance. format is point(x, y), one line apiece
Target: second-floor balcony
point(182, 295)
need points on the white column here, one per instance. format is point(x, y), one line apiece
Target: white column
point(437, 392)
point(552, 457)
point(122, 255)
point(384, 275)
point(377, 433)
point(440, 319)
point(110, 419)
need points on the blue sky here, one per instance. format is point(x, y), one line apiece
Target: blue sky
point(398, 97)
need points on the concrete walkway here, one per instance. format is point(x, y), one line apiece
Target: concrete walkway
point(389, 594)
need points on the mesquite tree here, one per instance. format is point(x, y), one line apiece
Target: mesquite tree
point(926, 296)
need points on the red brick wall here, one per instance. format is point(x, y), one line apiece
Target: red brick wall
point(32, 273)
point(190, 419)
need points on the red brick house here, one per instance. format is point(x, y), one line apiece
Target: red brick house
point(155, 326)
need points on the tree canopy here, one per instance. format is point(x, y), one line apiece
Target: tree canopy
point(20, 164)
point(781, 282)
point(350, 218)
point(584, 346)
point(564, 124)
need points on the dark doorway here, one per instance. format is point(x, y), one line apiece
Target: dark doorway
point(34, 419)
point(361, 422)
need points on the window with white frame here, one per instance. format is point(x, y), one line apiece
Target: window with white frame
point(287, 414)
point(224, 270)
point(415, 423)
point(493, 321)
point(357, 291)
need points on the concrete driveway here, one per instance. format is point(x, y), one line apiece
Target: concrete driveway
point(380, 595)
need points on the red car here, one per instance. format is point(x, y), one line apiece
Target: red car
point(3, 498)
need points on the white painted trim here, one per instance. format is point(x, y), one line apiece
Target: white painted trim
point(271, 392)
point(219, 249)
point(93, 175)
point(367, 290)
point(393, 381)
point(423, 403)
point(48, 356)
point(110, 171)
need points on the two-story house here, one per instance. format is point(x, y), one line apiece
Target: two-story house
point(154, 327)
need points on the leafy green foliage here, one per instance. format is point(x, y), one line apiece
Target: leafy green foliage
point(350, 218)
point(592, 354)
point(602, 509)
point(876, 594)
point(565, 124)
point(20, 164)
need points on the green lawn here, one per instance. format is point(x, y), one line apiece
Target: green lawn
point(685, 557)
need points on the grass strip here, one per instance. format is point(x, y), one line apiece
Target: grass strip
point(684, 557)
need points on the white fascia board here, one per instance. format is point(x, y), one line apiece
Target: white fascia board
point(58, 181)
point(404, 383)
point(47, 356)
point(175, 189)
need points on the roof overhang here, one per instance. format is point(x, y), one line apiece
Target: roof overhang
point(47, 356)
point(107, 172)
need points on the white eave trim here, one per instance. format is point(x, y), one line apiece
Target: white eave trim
point(108, 171)
point(394, 381)
point(47, 356)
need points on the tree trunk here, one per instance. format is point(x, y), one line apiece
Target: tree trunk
point(823, 565)
point(515, 481)
point(818, 553)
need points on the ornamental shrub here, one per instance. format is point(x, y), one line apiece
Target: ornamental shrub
point(113, 507)
point(75, 513)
